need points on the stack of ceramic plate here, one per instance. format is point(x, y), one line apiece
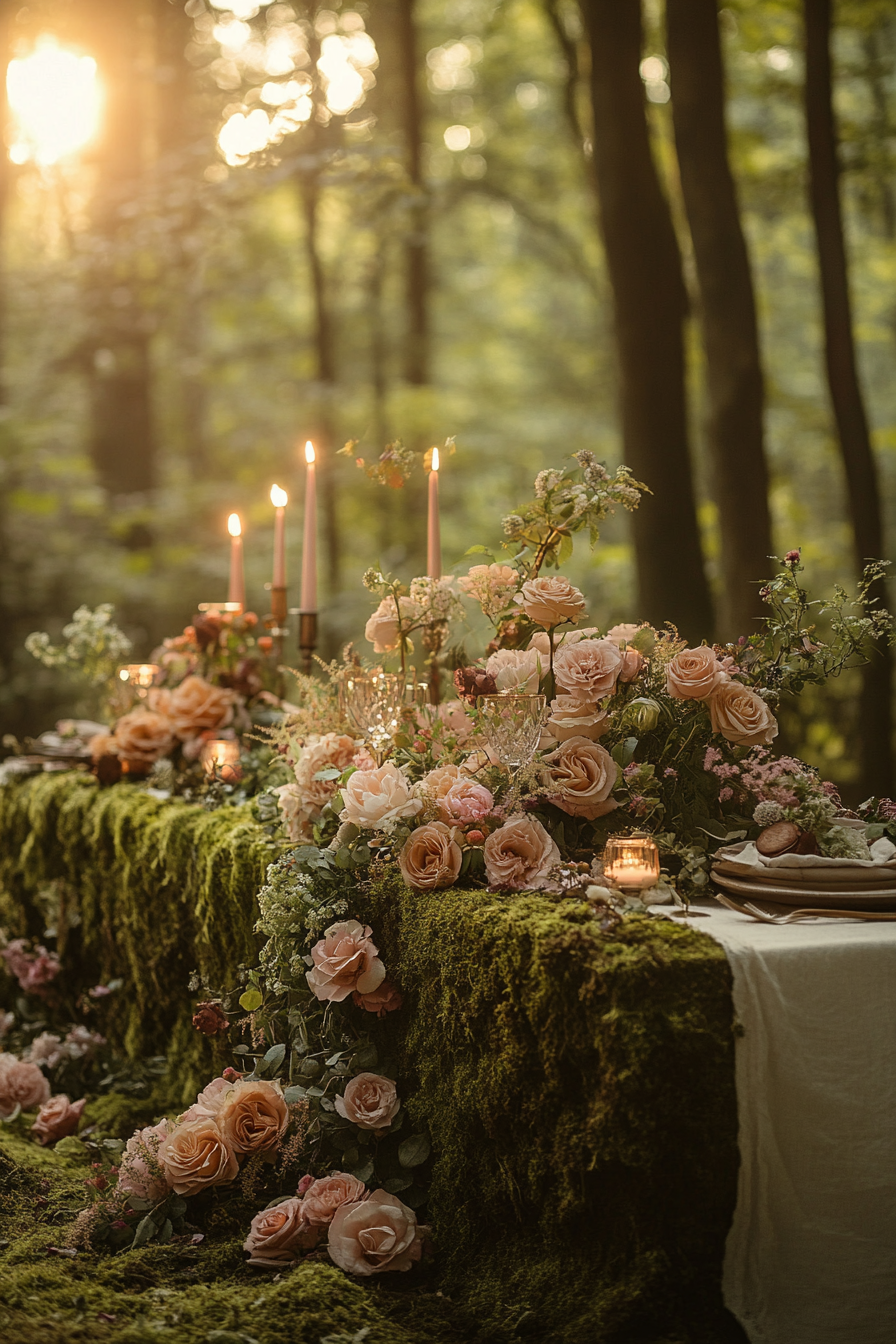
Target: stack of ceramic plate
point(807, 879)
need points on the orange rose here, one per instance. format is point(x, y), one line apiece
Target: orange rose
point(195, 1156)
point(741, 715)
point(583, 775)
point(694, 674)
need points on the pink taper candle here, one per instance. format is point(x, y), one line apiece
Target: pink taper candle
point(434, 537)
point(308, 600)
point(279, 499)
point(237, 589)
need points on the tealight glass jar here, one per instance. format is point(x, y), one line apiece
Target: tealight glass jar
point(632, 862)
point(220, 759)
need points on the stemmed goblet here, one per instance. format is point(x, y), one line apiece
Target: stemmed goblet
point(511, 725)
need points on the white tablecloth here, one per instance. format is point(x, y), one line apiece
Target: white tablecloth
point(811, 1255)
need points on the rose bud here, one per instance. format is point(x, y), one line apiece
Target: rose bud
point(265, 643)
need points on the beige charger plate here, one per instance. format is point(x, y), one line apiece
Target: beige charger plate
point(816, 875)
point(855, 898)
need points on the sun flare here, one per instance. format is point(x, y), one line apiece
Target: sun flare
point(55, 100)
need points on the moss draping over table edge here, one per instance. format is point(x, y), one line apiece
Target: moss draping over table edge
point(579, 1087)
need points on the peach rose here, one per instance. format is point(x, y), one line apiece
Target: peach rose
point(694, 674)
point(195, 704)
point(291, 802)
point(465, 802)
point(623, 634)
point(541, 643)
point(378, 1233)
point(430, 857)
point(104, 744)
point(208, 1102)
point(194, 1156)
point(515, 670)
point(376, 800)
point(588, 670)
point(329, 751)
point(382, 627)
point(345, 960)
point(278, 1235)
point(21, 1084)
point(369, 1101)
point(741, 715)
point(58, 1118)
point(325, 1196)
point(144, 736)
point(252, 1117)
point(576, 718)
point(582, 775)
point(385, 999)
point(519, 855)
point(633, 664)
point(551, 601)
point(439, 781)
point(140, 1171)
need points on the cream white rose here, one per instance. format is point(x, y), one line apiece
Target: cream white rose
point(382, 627)
point(551, 601)
point(515, 670)
point(376, 800)
point(576, 718)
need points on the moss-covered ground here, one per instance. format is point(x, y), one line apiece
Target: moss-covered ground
point(578, 1086)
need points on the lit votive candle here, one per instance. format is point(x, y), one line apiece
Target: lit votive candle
point(632, 862)
point(221, 760)
point(140, 676)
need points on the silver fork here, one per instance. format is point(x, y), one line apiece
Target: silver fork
point(754, 912)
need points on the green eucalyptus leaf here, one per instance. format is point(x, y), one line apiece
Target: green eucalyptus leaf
point(414, 1151)
point(252, 1000)
point(274, 1057)
point(145, 1231)
point(397, 1184)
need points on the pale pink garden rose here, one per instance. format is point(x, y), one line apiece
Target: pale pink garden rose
point(624, 633)
point(140, 1171)
point(431, 858)
point(195, 705)
point(582, 776)
point(541, 644)
point(519, 855)
point(253, 1117)
point(466, 802)
point(633, 664)
point(369, 1101)
point(377, 1234)
point(456, 720)
point(46, 1049)
point(516, 670)
point(576, 718)
point(329, 751)
point(144, 736)
point(208, 1102)
point(382, 627)
point(21, 1084)
point(323, 1197)
point(385, 999)
point(437, 783)
point(694, 674)
point(345, 960)
point(741, 716)
point(195, 1156)
point(58, 1118)
point(588, 670)
point(296, 818)
point(278, 1236)
point(493, 587)
point(551, 601)
point(376, 800)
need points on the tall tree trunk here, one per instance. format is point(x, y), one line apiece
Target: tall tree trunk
point(876, 721)
point(124, 441)
point(417, 339)
point(727, 311)
point(644, 265)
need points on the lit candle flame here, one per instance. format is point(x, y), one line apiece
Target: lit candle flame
point(435, 459)
point(234, 526)
point(309, 452)
point(279, 498)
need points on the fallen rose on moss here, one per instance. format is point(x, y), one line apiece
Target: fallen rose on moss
point(21, 1084)
point(278, 1236)
point(58, 1118)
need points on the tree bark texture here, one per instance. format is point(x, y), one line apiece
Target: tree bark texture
point(727, 311)
point(124, 440)
point(644, 266)
point(417, 337)
point(876, 719)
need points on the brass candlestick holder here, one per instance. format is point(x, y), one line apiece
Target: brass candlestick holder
point(307, 638)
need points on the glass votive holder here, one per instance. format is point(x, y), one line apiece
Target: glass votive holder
point(220, 759)
point(632, 862)
point(139, 676)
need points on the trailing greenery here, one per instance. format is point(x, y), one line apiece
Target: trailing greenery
point(578, 1086)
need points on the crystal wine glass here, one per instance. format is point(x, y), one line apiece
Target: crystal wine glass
point(511, 725)
point(373, 702)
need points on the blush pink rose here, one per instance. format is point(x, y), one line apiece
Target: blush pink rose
point(633, 664)
point(141, 1172)
point(58, 1118)
point(377, 1234)
point(382, 627)
point(551, 601)
point(624, 633)
point(466, 802)
point(582, 776)
point(694, 674)
point(277, 1236)
point(741, 715)
point(431, 858)
point(386, 999)
point(325, 1196)
point(576, 718)
point(252, 1116)
point(195, 1156)
point(208, 1102)
point(345, 960)
point(437, 783)
point(21, 1084)
point(588, 670)
point(519, 855)
point(369, 1101)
